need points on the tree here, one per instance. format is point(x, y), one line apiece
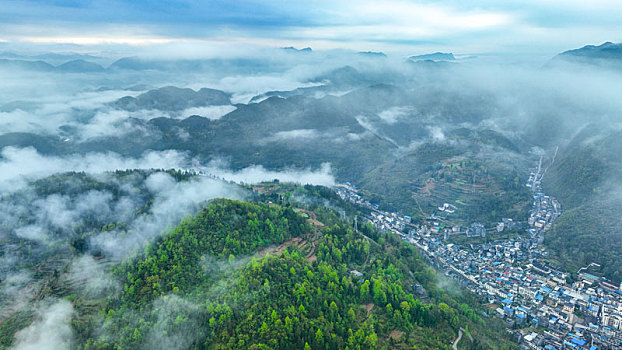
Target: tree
point(319, 337)
point(364, 292)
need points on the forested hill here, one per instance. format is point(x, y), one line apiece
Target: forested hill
point(271, 276)
point(300, 294)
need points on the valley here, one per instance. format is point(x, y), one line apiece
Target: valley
point(541, 305)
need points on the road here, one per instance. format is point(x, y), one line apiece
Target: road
point(455, 345)
point(460, 332)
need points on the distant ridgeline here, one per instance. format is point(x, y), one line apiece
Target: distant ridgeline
point(605, 52)
point(250, 275)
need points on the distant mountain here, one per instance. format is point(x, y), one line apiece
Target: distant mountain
point(291, 48)
point(132, 63)
point(606, 51)
point(80, 66)
point(605, 55)
point(334, 81)
point(8, 54)
point(75, 66)
point(172, 98)
point(372, 54)
point(50, 56)
point(138, 87)
point(437, 56)
point(65, 56)
point(26, 65)
point(344, 76)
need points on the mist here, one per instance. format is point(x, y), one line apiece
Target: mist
point(51, 329)
point(280, 115)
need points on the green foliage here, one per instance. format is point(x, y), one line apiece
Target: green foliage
point(585, 179)
point(281, 300)
point(434, 173)
point(222, 230)
point(588, 233)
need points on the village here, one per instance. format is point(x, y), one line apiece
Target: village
point(542, 306)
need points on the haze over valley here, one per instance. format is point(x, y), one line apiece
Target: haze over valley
point(293, 189)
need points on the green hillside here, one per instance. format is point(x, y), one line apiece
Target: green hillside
point(436, 173)
point(585, 178)
point(283, 297)
point(257, 276)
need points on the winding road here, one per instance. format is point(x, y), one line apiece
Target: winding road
point(460, 332)
point(455, 345)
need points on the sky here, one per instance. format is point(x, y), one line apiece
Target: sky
point(508, 27)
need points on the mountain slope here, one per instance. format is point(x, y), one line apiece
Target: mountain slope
point(585, 178)
point(301, 293)
point(257, 276)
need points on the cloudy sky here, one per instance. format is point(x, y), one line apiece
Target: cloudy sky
point(523, 27)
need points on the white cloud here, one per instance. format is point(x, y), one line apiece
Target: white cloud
point(437, 133)
point(19, 164)
point(394, 114)
point(209, 112)
point(173, 200)
point(258, 173)
point(50, 331)
point(297, 134)
point(91, 277)
point(246, 87)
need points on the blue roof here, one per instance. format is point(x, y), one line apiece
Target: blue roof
point(579, 342)
point(593, 347)
point(520, 315)
point(506, 301)
point(508, 309)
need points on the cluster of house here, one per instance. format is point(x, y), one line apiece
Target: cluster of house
point(545, 208)
point(542, 308)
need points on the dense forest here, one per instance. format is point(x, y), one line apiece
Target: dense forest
point(289, 298)
point(287, 274)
